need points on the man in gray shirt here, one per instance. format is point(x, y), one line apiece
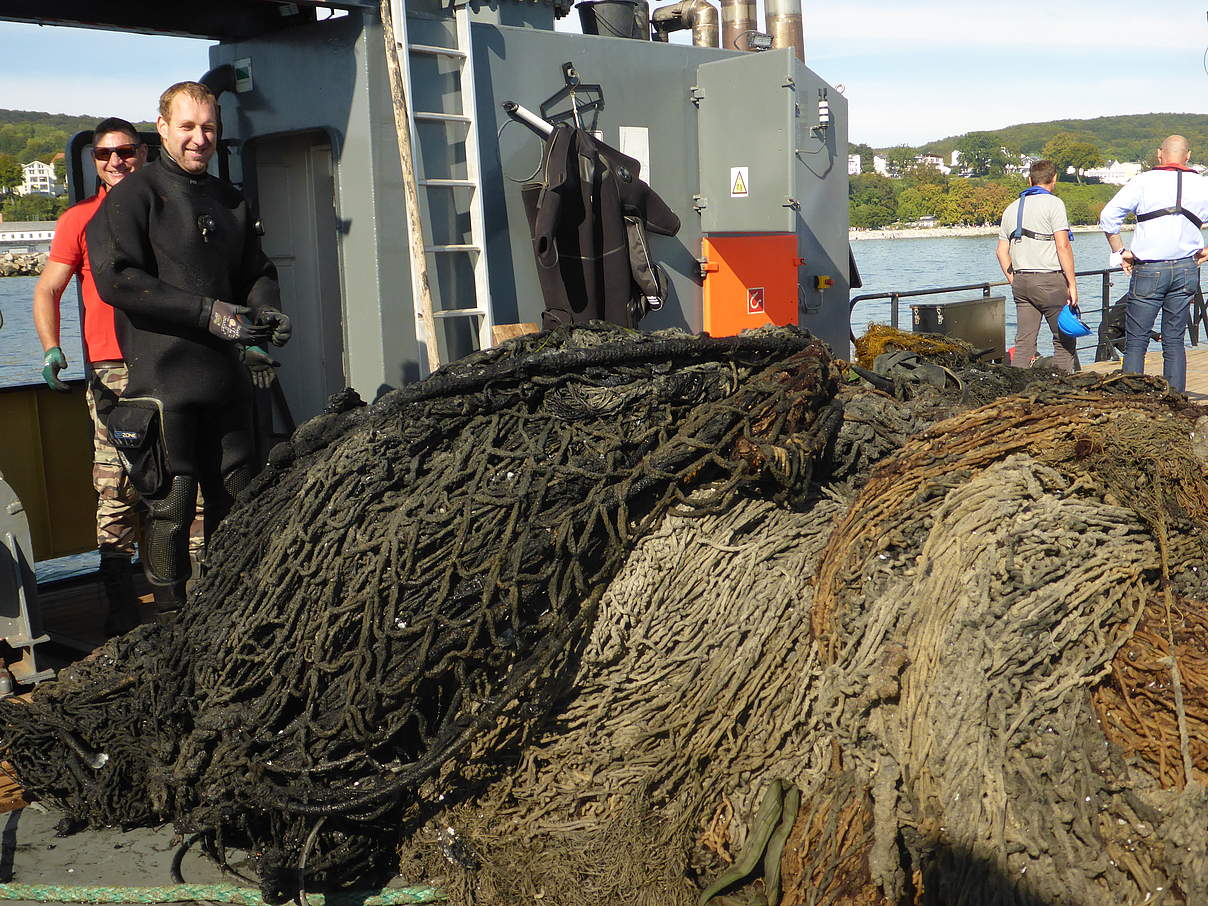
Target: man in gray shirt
point(1035, 255)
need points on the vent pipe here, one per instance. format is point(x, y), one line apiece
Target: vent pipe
point(737, 23)
point(699, 15)
point(784, 24)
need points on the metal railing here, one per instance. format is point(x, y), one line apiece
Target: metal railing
point(1197, 319)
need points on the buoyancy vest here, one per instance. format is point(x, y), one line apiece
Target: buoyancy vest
point(1176, 208)
point(1020, 230)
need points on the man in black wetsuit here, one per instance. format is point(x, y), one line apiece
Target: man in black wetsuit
point(176, 252)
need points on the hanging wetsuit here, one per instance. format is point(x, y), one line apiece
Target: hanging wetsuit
point(164, 248)
point(589, 218)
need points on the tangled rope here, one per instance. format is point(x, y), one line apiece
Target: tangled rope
point(403, 577)
point(584, 618)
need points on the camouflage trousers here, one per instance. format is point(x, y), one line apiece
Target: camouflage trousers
point(119, 509)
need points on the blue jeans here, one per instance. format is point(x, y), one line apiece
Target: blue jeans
point(1166, 287)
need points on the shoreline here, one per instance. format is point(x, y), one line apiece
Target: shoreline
point(22, 264)
point(941, 232)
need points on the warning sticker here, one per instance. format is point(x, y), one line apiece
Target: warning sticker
point(739, 182)
point(755, 300)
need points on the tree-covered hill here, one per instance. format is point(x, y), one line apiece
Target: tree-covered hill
point(28, 135)
point(1129, 138)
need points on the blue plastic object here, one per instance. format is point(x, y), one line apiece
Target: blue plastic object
point(1070, 324)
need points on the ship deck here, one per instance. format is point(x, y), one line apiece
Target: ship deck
point(1197, 369)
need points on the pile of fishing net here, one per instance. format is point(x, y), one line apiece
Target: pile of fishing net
point(407, 577)
point(598, 617)
point(912, 692)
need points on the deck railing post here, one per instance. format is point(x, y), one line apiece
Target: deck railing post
point(1198, 316)
point(895, 297)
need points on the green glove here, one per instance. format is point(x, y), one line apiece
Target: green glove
point(54, 362)
point(260, 366)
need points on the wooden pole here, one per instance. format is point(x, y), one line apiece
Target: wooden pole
point(421, 289)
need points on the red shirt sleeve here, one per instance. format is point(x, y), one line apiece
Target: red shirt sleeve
point(67, 247)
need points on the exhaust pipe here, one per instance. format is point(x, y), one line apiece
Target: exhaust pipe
point(737, 22)
point(784, 23)
point(699, 15)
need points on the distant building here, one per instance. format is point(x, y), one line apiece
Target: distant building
point(1020, 163)
point(956, 159)
point(880, 165)
point(1115, 173)
point(935, 161)
point(25, 236)
point(39, 179)
point(853, 165)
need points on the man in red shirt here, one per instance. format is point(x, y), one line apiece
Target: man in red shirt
point(117, 152)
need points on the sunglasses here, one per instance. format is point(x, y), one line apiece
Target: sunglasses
point(125, 152)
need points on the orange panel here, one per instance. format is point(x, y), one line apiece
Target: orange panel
point(749, 281)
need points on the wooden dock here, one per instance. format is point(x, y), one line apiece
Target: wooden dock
point(1197, 369)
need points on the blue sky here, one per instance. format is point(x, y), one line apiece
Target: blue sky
point(911, 72)
point(92, 72)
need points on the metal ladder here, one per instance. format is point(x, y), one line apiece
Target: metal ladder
point(462, 53)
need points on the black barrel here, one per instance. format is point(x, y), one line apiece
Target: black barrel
point(615, 18)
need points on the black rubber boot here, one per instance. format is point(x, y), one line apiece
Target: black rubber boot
point(169, 599)
point(117, 577)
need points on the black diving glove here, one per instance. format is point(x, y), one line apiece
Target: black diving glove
point(260, 365)
point(279, 322)
point(233, 323)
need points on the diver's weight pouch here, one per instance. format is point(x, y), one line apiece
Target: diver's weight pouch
point(135, 430)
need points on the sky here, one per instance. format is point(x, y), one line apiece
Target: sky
point(912, 72)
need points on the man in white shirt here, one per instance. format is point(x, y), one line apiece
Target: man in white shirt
point(1035, 255)
point(1171, 204)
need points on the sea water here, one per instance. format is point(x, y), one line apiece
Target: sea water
point(20, 350)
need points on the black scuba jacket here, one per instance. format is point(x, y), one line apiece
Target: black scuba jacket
point(162, 246)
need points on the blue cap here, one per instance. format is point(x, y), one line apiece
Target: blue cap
point(1070, 324)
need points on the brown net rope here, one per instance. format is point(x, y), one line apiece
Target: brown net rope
point(978, 589)
point(879, 338)
point(1136, 705)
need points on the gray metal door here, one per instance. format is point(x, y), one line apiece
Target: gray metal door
point(296, 200)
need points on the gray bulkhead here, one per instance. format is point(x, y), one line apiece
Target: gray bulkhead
point(315, 130)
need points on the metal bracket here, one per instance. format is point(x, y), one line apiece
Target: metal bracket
point(790, 202)
point(790, 83)
point(584, 98)
point(696, 95)
point(699, 203)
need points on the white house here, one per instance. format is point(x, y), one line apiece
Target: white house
point(1021, 164)
point(39, 179)
point(1115, 173)
point(880, 164)
point(853, 165)
point(934, 161)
